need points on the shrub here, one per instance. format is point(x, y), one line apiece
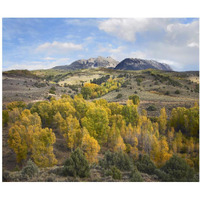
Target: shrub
point(76, 165)
point(118, 159)
point(108, 172)
point(152, 108)
point(162, 175)
point(178, 170)
point(6, 176)
point(144, 164)
point(139, 80)
point(29, 170)
point(135, 99)
point(39, 85)
point(116, 173)
point(167, 93)
point(5, 117)
point(52, 90)
point(119, 96)
point(177, 92)
point(135, 175)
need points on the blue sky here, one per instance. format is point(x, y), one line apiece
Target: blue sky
point(42, 43)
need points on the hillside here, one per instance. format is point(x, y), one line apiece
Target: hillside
point(107, 62)
point(104, 99)
point(141, 64)
point(154, 87)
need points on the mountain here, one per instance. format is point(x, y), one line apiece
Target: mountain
point(140, 64)
point(107, 62)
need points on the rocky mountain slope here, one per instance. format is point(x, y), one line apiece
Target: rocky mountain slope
point(140, 64)
point(107, 62)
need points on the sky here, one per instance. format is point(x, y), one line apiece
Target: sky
point(43, 43)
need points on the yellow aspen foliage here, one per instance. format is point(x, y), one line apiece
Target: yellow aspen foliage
point(128, 134)
point(135, 141)
point(17, 142)
point(190, 145)
point(117, 120)
point(174, 146)
point(164, 152)
point(186, 120)
point(96, 121)
point(119, 146)
point(162, 121)
point(145, 136)
point(131, 136)
point(43, 155)
point(144, 112)
point(113, 135)
point(89, 146)
point(130, 113)
point(27, 119)
point(16, 104)
point(59, 123)
point(64, 107)
point(45, 112)
point(14, 115)
point(155, 151)
point(123, 129)
point(72, 133)
point(156, 129)
point(134, 153)
point(116, 108)
point(80, 105)
point(28, 139)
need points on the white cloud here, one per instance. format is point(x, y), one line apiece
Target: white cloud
point(110, 49)
point(182, 34)
point(193, 44)
point(128, 28)
point(159, 39)
point(34, 65)
point(89, 39)
point(49, 58)
point(58, 47)
point(121, 52)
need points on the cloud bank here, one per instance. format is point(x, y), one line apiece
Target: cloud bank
point(160, 39)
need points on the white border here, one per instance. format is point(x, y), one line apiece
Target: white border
point(103, 8)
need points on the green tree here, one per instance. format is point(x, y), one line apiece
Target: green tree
point(76, 165)
point(178, 170)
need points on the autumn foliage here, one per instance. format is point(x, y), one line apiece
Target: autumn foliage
point(95, 125)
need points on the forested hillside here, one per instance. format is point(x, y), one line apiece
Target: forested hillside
point(99, 140)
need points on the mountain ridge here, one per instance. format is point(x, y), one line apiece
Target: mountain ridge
point(140, 64)
point(100, 61)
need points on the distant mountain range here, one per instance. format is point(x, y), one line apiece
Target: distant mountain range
point(139, 64)
point(108, 62)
